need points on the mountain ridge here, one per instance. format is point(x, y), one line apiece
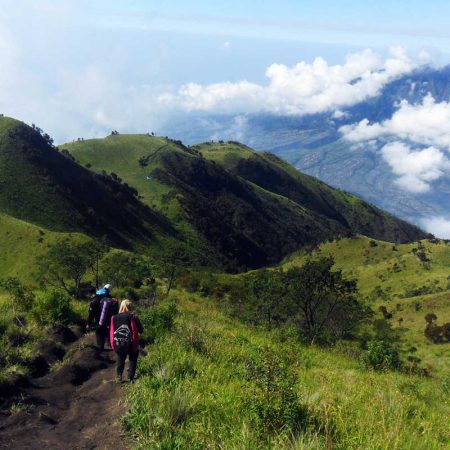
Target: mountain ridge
point(40, 185)
point(314, 144)
point(249, 223)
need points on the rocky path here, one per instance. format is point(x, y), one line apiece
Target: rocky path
point(78, 406)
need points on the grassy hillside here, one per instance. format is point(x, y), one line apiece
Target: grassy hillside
point(42, 186)
point(215, 383)
point(275, 175)
point(20, 244)
point(395, 277)
point(242, 217)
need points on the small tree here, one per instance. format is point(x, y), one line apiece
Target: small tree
point(66, 262)
point(265, 296)
point(430, 318)
point(172, 264)
point(324, 302)
point(123, 269)
point(99, 249)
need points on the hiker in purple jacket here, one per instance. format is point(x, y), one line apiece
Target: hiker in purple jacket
point(124, 339)
point(107, 307)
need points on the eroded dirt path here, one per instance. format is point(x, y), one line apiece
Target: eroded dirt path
point(78, 406)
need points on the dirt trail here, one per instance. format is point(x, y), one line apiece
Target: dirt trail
point(77, 406)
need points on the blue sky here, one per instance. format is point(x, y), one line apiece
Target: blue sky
point(118, 53)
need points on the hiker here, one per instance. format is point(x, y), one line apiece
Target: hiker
point(94, 309)
point(101, 309)
point(124, 339)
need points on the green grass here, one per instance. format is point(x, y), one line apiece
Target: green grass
point(47, 188)
point(385, 276)
point(18, 343)
point(194, 392)
point(248, 209)
point(21, 243)
point(396, 271)
point(121, 154)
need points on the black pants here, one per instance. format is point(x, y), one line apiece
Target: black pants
point(121, 357)
point(101, 333)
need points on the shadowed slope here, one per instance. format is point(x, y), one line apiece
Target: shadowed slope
point(42, 186)
point(246, 209)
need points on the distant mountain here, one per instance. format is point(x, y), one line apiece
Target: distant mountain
point(241, 209)
point(313, 144)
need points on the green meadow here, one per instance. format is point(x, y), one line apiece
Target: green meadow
point(198, 389)
point(21, 243)
point(393, 276)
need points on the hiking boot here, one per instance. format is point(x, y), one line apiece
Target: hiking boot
point(119, 379)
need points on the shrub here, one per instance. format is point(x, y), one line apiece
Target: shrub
point(274, 401)
point(157, 321)
point(196, 338)
point(380, 355)
point(21, 297)
point(51, 307)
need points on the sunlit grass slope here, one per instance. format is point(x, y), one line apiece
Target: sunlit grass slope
point(42, 186)
point(121, 154)
point(196, 390)
point(21, 243)
point(394, 276)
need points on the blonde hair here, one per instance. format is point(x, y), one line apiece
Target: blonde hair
point(125, 306)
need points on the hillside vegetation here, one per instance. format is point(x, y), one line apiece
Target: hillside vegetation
point(44, 187)
point(275, 175)
point(399, 278)
point(246, 209)
point(21, 243)
point(216, 383)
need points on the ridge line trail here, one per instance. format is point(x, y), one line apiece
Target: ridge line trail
point(76, 407)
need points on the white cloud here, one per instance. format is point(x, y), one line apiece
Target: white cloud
point(302, 89)
point(426, 123)
point(89, 100)
point(236, 130)
point(416, 169)
point(338, 114)
point(439, 226)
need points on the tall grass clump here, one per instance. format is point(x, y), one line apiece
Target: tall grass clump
point(51, 307)
point(274, 398)
point(157, 321)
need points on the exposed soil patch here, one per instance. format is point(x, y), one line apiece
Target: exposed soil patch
point(77, 406)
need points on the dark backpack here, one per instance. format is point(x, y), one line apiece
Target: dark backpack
point(123, 336)
point(95, 309)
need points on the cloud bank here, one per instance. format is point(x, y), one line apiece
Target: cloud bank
point(439, 226)
point(302, 89)
point(424, 123)
point(424, 129)
point(416, 169)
